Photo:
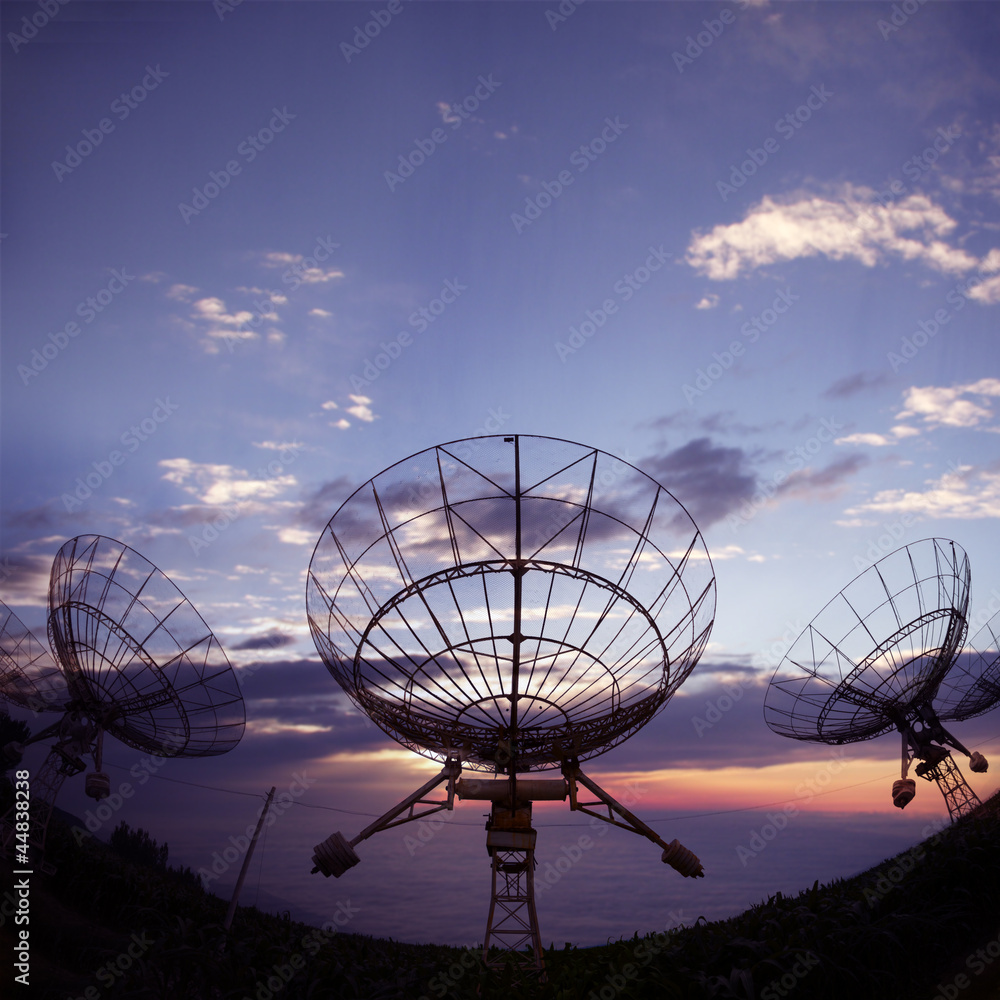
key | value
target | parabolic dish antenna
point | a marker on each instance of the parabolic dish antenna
(886, 653)
(132, 657)
(510, 605)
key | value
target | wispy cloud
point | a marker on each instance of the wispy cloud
(849, 226)
(222, 484)
(822, 484)
(361, 408)
(941, 406)
(968, 493)
(220, 324)
(710, 480)
(851, 385)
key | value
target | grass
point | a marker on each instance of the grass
(909, 928)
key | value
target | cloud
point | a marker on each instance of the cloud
(221, 324)
(940, 406)
(825, 483)
(851, 385)
(320, 505)
(447, 115)
(221, 484)
(708, 479)
(968, 493)
(271, 640)
(330, 405)
(181, 293)
(322, 313)
(709, 301)
(849, 226)
(361, 408)
(279, 445)
(307, 274)
(875, 440)
(294, 536)
(879, 440)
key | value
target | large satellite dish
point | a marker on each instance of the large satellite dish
(510, 605)
(130, 657)
(887, 653)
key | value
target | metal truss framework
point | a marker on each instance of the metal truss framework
(516, 601)
(129, 655)
(890, 652)
(958, 796)
(512, 933)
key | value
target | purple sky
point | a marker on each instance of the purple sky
(751, 248)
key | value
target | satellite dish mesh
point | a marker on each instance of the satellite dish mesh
(878, 650)
(29, 677)
(499, 598)
(136, 656)
(972, 686)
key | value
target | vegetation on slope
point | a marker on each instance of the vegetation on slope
(925, 924)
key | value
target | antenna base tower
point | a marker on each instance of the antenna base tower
(45, 785)
(958, 796)
(512, 925)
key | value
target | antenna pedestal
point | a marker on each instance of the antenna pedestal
(45, 785)
(958, 796)
(512, 926)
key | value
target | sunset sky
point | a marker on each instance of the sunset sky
(255, 253)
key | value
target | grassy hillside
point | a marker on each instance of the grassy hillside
(922, 925)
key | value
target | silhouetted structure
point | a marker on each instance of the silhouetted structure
(510, 605)
(132, 658)
(887, 652)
